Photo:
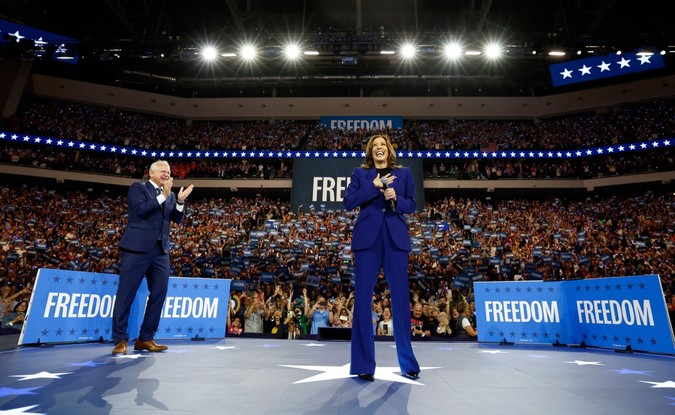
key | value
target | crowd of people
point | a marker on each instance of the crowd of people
(627, 124)
(456, 239)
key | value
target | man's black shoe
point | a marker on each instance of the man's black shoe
(412, 375)
(367, 376)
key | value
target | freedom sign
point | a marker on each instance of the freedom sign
(606, 312)
(74, 306)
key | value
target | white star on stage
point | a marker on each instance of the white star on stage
(491, 351)
(566, 73)
(632, 372)
(41, 375)
(392, 374)
(87, 364)
(666, 384)
(314, 345)
(131, 356)
(21, 410)
(226, 347)
(584, 363)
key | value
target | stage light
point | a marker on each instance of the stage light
(248, 52)
(408, 51)
(209, 53)
(452, 51)
(311, 53)
(292, 52)
(493, 50)
(557, 52)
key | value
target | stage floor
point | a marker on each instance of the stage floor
(269, 376)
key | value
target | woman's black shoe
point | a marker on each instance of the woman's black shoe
(368, 377)
(412, 375)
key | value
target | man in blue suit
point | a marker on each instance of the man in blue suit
(384, 192)
(144, 251)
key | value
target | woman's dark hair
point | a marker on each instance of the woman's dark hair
(16, 306)
(369, 162)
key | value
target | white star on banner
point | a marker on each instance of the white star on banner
(566, 73)
(644, 59)
(585, 70)
(392, 374)
(21, 410)
(41, 375)
(604, 66)
(666, 384)
(624, 62)
(584, 363)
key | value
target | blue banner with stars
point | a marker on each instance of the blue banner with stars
(611, 313)
(600, 67)
(74, 306)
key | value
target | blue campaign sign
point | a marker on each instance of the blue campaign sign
(74, 306)
(358, 122)
(600, 67)
(611, 312)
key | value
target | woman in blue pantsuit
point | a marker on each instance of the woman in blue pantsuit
(384, 192)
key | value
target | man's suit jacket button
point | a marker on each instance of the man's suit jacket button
(384, 210)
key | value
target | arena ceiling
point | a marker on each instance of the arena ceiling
(154, 45)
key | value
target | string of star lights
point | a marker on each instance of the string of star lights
(61, 143)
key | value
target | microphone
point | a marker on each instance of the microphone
(390, 202)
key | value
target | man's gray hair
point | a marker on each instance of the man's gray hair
(155, 165)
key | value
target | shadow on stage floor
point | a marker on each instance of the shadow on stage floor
(271, 376)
